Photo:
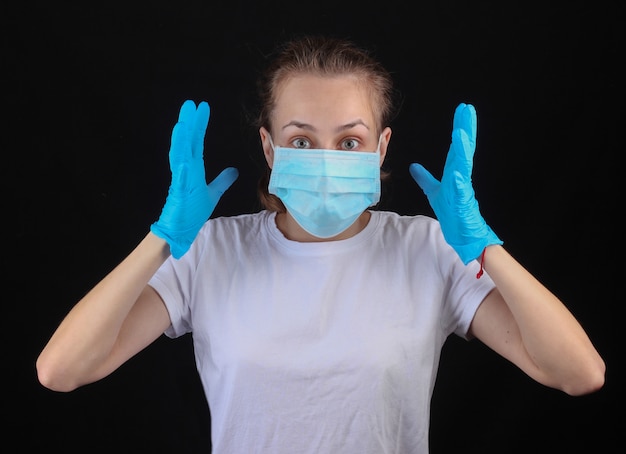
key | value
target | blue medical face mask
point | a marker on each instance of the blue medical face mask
(325, 191)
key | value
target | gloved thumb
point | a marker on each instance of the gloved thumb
(423, 178)
(223, 181)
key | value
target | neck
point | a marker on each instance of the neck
(292, 230)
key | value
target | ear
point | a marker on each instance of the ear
(384, 143)
(268, 151)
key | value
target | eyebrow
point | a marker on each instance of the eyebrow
(301, 125)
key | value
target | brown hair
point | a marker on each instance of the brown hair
(321, 56)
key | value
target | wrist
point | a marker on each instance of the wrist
(158, 244)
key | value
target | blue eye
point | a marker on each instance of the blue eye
(350, 144)
(300, 143)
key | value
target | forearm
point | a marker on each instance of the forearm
(553, 339)
(87, 335)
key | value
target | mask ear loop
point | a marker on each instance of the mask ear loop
(269, 136)
(380, 140)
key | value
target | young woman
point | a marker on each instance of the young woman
(318, 322)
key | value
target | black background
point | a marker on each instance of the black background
(91, 92)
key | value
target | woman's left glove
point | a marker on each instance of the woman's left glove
(453, 199)
(190, 201)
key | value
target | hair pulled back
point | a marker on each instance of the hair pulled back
(323, 56)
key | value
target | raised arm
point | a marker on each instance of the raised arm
(521, 319)
(122, 314)
(527, 324)
(110, 324)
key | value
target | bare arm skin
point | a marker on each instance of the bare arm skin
(119, 317)
(525, 323)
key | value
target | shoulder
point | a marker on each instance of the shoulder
(391, 223)
(229, 233)
(237, 224)
(418, 235)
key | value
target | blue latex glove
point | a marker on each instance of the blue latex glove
(190, 201)
(453, 199)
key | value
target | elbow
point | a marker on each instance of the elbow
(589, 382)
(52, 378)
(587, 387)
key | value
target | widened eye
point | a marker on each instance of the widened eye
(350, 144)
(301, 142)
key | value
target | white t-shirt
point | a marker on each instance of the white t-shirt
(328, 347)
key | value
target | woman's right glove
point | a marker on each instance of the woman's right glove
(190, 201)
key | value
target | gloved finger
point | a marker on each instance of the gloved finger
(461, 154)
(223, 181)
(423, 178)
(200, 123)
(180, 146)
(187, 112)
(463, 191)
(465, 118)
(181, 177)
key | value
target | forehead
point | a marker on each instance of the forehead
(323, 99)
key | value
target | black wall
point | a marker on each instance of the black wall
(92, 91)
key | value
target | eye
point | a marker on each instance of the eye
(301, 142)
(350, 144)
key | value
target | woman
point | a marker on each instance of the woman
(318, 322)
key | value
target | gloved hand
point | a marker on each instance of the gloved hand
(190, 201)
(453, 199)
